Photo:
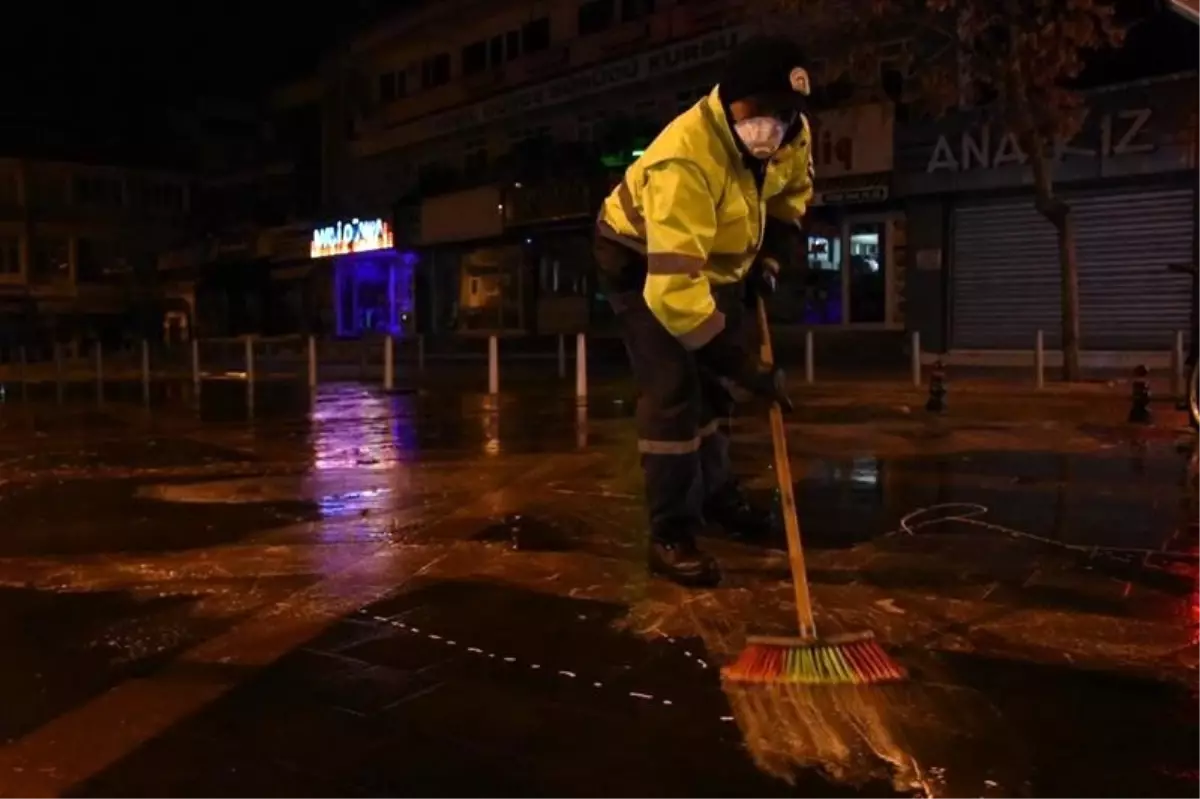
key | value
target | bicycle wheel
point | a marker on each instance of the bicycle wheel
(1194, 396)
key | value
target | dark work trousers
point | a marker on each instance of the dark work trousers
(681, 411)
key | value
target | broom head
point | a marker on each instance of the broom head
(854, 659)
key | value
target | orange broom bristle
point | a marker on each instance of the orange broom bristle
(857, 661)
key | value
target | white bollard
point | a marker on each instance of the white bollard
(196, 367)
(581, 387)
(389, 363)
(312, 362)
(421, 353)
(99, 373)
(916, 358)
(1039, 359)
(809, 358)
(1178, 361)
(145, 372)
(493, 365)
(562, 356)
(248, 345)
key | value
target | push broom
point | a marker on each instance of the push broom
(853, 658)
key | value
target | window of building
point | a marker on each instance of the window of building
(474, 58)
(435, 70)
(475, 157)
(156, 195)
(636, 9)
(8, 190)
(387, 87)
(48, 189)
(49, 260)
(496, 50)
(535, 36)
(98, 191)
(10, 255)
(95, 259)
(512, 45)
(595, 16)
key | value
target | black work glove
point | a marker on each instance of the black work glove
(725, 357)
(763, 278)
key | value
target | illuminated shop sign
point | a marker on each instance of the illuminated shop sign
(355, 235)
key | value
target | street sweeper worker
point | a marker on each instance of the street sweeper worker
(697, 230)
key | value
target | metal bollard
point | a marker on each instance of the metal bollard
(145, 372)
(389, 363)
(937, 388)
(1039, 360)
(916, 358)
(562, 356)
(1178, 362)
(58, 374)
(196, 377)
(22, 362)
(581, 386)
(1139, 410)
(493, 365)
(809, 358)
(99, 372)
(248, 350)
(312, 362)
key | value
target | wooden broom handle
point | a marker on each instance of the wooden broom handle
(787, 496)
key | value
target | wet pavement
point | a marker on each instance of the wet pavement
(440, 593)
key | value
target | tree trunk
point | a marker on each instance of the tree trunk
(1058, 214)
(1069, 275)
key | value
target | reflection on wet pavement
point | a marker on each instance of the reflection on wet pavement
(360, 593)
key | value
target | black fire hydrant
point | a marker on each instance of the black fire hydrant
(937, 388)
(1139, 411)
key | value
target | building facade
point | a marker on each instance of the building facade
(78, 252)
(983, 264)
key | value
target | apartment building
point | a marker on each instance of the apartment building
(78, 251)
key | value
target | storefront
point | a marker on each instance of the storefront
(372, 281)
(855, 230)
(984, 269)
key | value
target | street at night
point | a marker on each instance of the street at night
(389, 594)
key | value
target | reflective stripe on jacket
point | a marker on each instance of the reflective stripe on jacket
(693, 206)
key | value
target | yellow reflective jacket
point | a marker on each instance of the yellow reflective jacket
(693, 206)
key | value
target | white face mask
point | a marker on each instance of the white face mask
(761, 135)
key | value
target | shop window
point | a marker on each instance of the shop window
(49, 260)
(98, 191)
(595, 16)
(435, 70)
(868, 272)
(474, 58)
(636, 9)
(535, 36)
(10, 255)
(374, 293)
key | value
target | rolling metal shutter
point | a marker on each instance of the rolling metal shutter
(1005, 278)
(1125, 241)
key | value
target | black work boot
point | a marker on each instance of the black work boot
(675, 556)
(729, 508)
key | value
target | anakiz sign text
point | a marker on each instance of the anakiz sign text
(1110, 135)
(355, 235)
